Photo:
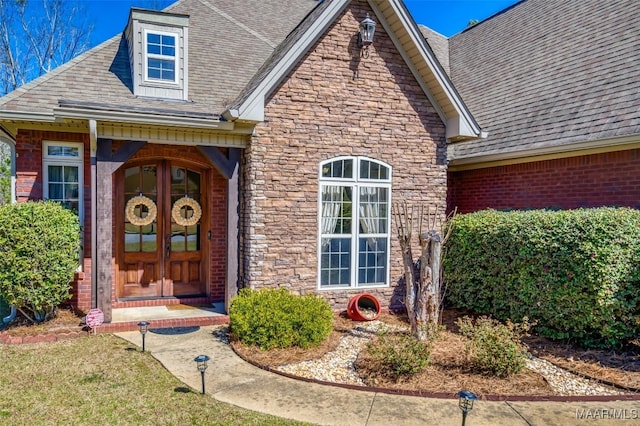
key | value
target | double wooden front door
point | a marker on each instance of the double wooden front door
(166, 257)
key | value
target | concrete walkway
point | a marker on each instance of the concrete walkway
(230, 379)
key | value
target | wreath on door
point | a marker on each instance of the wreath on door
(134, 215)
(181, 216)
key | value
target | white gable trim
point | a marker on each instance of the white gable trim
(252, 109)
(460, 126)
(463, 125)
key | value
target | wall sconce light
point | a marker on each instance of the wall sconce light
(144, 327)
(201, 361)
(365, 34)
(465, 402)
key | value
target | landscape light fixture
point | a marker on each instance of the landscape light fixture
(465, 402)
(201, 361)
(144, 327)
(365, 35)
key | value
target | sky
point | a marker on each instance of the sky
(448, 17)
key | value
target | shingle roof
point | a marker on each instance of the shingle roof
(550, 72)
(439, 45)
(226, 46)
(279, 52)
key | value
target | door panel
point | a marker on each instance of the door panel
(185, 262)
(140, 266)
(162, 258)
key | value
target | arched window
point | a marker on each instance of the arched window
(354, 210)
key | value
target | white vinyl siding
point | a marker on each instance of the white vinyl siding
(158, 45)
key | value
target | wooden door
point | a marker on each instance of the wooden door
(161, 254)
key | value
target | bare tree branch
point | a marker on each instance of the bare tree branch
(37, 36)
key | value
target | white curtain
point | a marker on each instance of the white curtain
(370, 211)
(331, 205)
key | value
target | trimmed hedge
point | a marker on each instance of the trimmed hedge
(274, 318)
(575, 273)
(40, 243)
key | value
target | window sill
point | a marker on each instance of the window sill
(342, 288)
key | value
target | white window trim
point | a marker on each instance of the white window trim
(146, 56)
(53, 160)
(355, 182)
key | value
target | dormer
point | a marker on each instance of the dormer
(158, 51)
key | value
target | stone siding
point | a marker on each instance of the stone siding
(335, 103)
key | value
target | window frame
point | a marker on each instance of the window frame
(355, 183)
(146, 56)
(54, 160)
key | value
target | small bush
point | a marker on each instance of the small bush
(494, 347)
(399, 354)
(40, 243)
(274, 318)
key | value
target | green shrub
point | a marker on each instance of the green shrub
(399, 354)
(494, 347)
(39, 242)
(274, 318)
(575, 273)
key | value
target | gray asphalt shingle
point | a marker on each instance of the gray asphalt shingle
(550, 72)
(228, 41)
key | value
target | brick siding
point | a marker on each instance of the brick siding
(323, 111)
(607, 179)
(29, 187)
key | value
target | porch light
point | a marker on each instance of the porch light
(144, 327)
(465, 402)
(201, 361)
(365, 34)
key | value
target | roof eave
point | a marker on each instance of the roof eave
(252, 108)
(141, 118)
(461, 125)
(558, 150)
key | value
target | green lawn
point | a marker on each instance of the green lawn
(103, 380)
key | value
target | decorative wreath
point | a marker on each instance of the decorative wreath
(176, 211)
(138, 220)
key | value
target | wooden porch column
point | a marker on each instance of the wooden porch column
(233, 228)
(229, 167)
(107, 163)
(104, 233)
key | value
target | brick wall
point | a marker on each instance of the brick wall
(321, 111)
(29, 187)
(608, 179)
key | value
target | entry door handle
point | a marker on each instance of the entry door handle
(168, 246)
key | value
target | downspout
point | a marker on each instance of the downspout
(9, 140)
(93, 143)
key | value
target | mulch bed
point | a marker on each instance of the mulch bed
(449, 371)
(619, 368)
(66, 324)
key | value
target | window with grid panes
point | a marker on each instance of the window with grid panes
(354, 222)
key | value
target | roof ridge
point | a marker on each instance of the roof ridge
(238, 23)
(19, 91)
(432, 30)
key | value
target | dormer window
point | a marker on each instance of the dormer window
(161, 57)
(158, 53)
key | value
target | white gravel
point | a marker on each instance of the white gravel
(338, 366)
(566, 383)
